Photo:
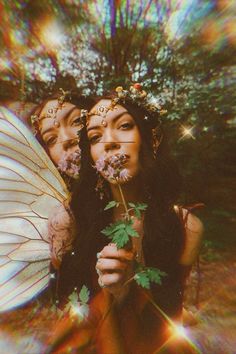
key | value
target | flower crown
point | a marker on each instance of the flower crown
(153, 106)
(137, 95)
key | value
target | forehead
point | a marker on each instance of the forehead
(53, 105)
(101, 110)
(67, 111)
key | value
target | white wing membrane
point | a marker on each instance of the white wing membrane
(30, 188)
(24, 285)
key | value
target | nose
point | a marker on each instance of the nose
(109, 146)
(68, 141)
(110, 141)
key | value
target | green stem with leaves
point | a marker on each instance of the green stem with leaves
(124, 202)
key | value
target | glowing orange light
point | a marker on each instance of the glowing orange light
(51, 34)
(179, 331)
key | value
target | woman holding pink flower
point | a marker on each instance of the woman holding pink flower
(127, 193)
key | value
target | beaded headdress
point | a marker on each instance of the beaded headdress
(136, 95)
(51, 112)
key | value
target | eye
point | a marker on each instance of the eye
(126, 125)
(94, 139)
(51, 140)
(76, 121)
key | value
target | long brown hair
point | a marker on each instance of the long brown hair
(163, 241)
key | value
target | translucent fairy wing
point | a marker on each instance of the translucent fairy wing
(30, 188)
(19, 144)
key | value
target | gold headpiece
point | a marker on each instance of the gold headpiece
(51, 112)
(137, 95)
(153, 106)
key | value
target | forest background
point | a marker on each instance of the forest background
(181, 51)
(184, 52)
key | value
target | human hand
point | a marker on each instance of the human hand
(115, 267)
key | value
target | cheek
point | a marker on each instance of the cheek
(96, 152)
(137, 145)
(93, 154)
(55, 154)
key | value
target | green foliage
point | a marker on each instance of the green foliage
(76, 301)
(138, 207)
(120, 232)
(73, 301)
(84, 295)
(111, 204)
(145, 275)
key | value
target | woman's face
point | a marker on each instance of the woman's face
(114, 133)
(59, 134)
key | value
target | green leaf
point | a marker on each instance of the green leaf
(142, 280)
(121, 238)
(138, 208)
(120, 232)
(73, 298)
(111, 204)
(137, 213)
(141, 206)
(145, 275)
(131, 231)
(155, 275)
(84, 294)
(112, 228)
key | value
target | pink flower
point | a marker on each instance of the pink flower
(70, 164)
(112, 167)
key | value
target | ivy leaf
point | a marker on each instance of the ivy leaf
(111, 204)
(84, 294)
(142, 279)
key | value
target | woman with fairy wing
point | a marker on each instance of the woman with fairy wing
(124, 131)
(57, 122)
(31, 188)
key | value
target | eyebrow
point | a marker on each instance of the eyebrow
(113, 121)
(65, 117)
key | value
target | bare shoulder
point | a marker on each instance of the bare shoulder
(193, 223)
(193, 238)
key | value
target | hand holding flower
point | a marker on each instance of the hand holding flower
(115, 267)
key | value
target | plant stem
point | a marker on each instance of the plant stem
(124, 202)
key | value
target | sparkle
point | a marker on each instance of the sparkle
(187, 132)
(179, 331)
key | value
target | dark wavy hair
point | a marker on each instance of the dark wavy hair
(163, 232)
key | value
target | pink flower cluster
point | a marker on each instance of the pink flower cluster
(70, 164)
(112, 167)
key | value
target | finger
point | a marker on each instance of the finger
(106, 264)
(111, 279)
(113, 252)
